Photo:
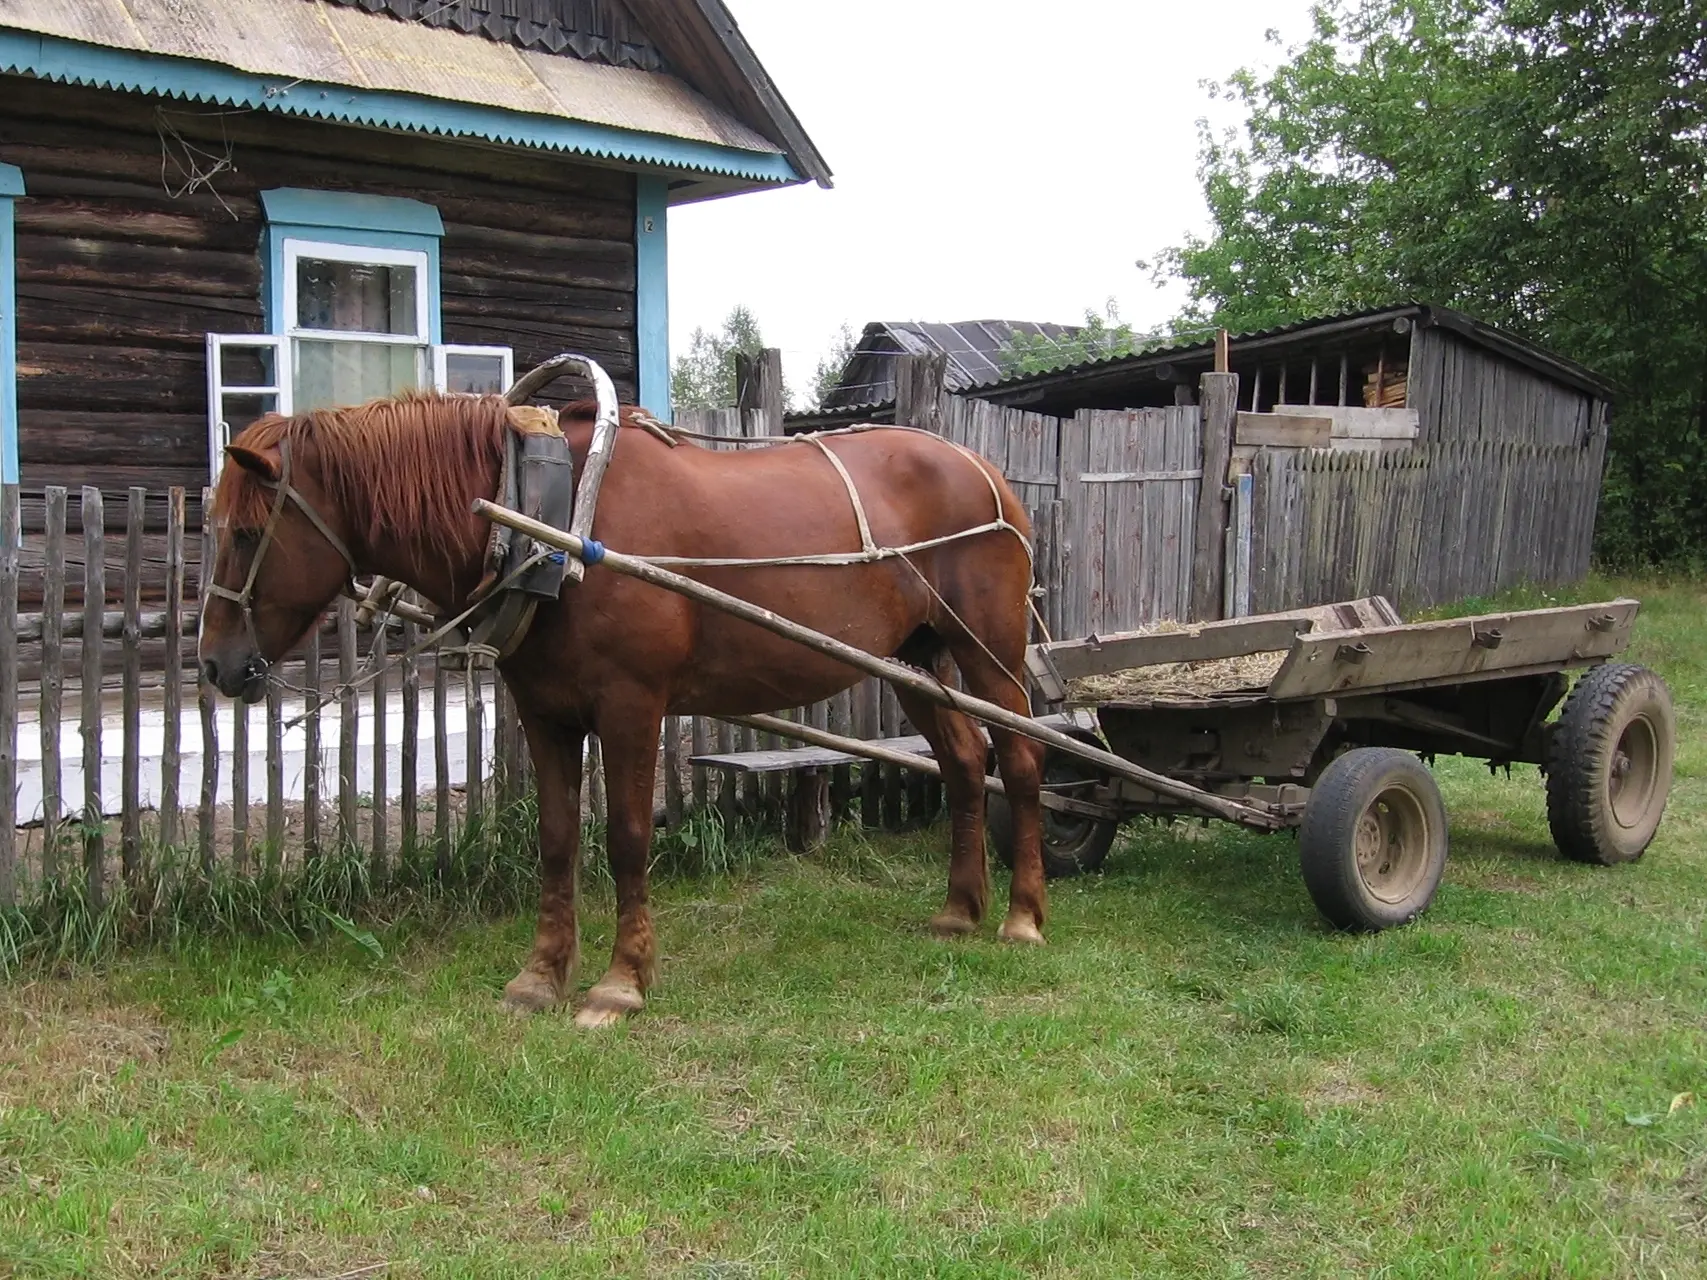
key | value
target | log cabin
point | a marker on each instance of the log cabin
(214, 208)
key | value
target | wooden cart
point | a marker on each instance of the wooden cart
(1332, 734)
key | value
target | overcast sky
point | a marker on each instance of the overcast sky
(993, 160)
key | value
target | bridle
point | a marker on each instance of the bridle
(244, 599)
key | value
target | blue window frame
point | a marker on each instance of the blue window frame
(11, 187)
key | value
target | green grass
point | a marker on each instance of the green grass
(1195, 1078)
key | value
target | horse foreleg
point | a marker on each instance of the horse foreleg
(959, 750)
(628, 738)
(545, 980)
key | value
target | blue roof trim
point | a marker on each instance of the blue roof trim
(72, 62)
(11, 180)
(347, 211)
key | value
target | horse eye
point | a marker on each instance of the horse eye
(245, 539)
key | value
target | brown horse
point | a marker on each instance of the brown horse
(386, 488)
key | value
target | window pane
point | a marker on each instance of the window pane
(476, 375)
(246, 366)
(356, 297)
(332, 373)
(238, 411)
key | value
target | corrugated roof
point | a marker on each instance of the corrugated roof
(973, 349)
(317, 44)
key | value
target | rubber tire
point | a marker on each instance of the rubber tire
(1062, 857)
(1602, 708)
(1328, 840)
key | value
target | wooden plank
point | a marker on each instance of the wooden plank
(1218, 397)
(130, 787)
(209, 798)
(441, 768)
(378, 826)
(171, 750)
(1438, 652)
(311, 763)
(273, 850)
(1284, 430)
(52, 681)
(474, 781)
(787, 759)
(349, 836)
(699, 744)
(673, 771)
(728, 804)
(1202, 642)
(11, 537)
(94, 603)
(867, 724)
(239, 786)
(408, 837)
(1142, 477)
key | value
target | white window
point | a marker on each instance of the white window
(357, 319)
(475, 371)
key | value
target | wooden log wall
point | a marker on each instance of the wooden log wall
(124, 264)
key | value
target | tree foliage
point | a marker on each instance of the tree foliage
(704, 375)
(1537, 163)
(828, 373)
(1103, 336)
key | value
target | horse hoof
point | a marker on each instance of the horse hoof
(530, 992)
(1020, 929)
(608, 1005)
(947, 924)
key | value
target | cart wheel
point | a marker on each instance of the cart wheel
(1071, 844)
(1373, 843)
(1609, 764)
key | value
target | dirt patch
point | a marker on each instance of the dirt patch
(1340, 1087)
(45, 1041)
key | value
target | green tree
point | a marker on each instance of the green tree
(832, 364)
(704, 376)
(1538, 163)
(1103, 335)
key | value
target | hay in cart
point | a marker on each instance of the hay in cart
(1245, 673)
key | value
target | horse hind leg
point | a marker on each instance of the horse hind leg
(1020, 762)
(628, 738)
(960, 751)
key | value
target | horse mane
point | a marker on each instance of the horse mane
(415, 462)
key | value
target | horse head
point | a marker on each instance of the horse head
(282, 556)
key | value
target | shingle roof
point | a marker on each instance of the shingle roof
(972, 348)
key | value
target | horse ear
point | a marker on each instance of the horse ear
(265, 463)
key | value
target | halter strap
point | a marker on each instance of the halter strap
(283, 491)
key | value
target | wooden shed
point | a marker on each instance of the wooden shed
(1467, 381)
(214, 208)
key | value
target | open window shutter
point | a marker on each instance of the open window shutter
(248, 374)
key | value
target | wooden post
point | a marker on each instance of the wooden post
(410, 802)
(919, 382)
(673, 771)
(840, 720)
(701, 780)
(758, 385)
(52, 681)
(11, 533)
(239, 786)
(348, 837)
(205, 704)
(474, 711)
(1345, 375)
(94, 607)
(890, 724)
(808, 822)
(171, 751)
(275, 775)
(868, 725)
(441, 768)
(311, 749)
(377, 826)
(130, 819)
(1223, 354)
(728, 801)
(1219, 398)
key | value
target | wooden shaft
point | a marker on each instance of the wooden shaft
(884, 669)
(906, 759)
